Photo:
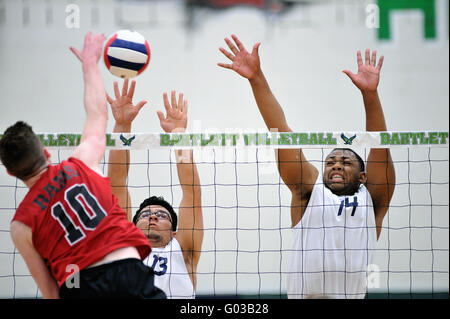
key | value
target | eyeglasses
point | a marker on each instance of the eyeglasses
(162, 215)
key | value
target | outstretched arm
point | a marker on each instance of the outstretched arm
(124, 112)
(380, 168)
(297, 173)
(190, 217)
(248, 66)
(93, 141)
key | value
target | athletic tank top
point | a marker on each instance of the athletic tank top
(332, 245)
(171, 274)
(75, 219)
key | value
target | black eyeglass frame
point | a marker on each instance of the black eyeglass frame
(169, 218)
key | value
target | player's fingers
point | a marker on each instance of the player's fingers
(226, 66)
(374, 58)
(238, 42)
(380, 62)
(140, 105)
(359, 58)
(231, 46)
(116, 90)
(87, 37)
(255, 50)
(166, 102)
(349, 74)
(160, 116)
(101, 37)
(173, 98)
(77, 53)
(185, 106)
(125, 87)
(180, 101)
(131, 90)
(109, 99)
(227, 54)
(367, 56)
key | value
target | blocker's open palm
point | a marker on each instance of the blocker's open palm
(123, 109)
(368, 75)
(176, 113)
(244, 63)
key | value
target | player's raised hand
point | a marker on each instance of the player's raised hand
(176, 113)
(92, 49)
(368, 75)
(244, 63)
(123, 109)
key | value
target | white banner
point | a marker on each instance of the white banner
(272, 140)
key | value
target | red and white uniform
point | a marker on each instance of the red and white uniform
(75, 219)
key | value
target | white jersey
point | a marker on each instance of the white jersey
(333, 245)
(171, 275)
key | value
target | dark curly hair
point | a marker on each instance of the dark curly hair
(155, 200)
(362, 166)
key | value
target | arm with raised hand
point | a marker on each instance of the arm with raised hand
(89, 151)
(124, 112)
(190, 216)
(93, 141)
(380, 168)
(248, 65)
(297, 173)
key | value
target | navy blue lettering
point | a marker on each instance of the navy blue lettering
(51, 190)
(347, 203)
(61, 179)
(70, 171)
(41, 201)
(162, 263)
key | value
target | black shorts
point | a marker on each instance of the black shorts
(126, 278)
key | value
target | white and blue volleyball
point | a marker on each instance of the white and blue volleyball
(126, 53)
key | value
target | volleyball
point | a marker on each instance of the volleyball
(126, 53)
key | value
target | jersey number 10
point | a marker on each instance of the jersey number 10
(89, 221)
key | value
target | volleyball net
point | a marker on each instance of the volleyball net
(246, 207)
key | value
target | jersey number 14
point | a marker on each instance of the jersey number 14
(347, 203)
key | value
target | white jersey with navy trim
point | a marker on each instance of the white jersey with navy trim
(332, 245)
(171, 274)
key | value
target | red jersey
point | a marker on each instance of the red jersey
(75, 219)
